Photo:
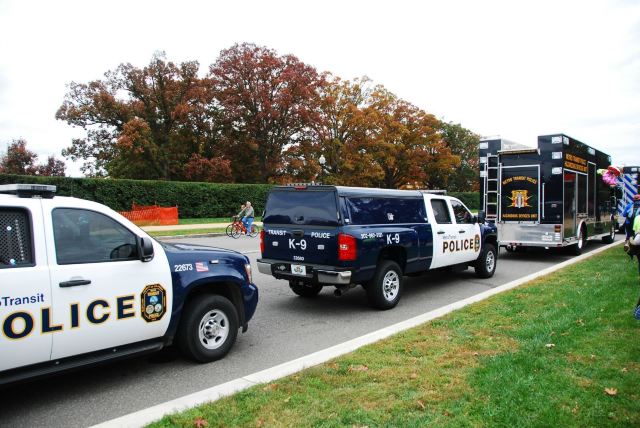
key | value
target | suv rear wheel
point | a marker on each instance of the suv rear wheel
(208, 329)
(385, 288)
(305, 290)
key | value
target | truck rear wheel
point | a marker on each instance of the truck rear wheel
(582, 240)
(385, 288)
(305, 290)
(208, 329)
(611, 236)
(485, 266)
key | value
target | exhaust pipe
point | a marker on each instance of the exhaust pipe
(342, 289)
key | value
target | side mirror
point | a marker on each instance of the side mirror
(145, 249)
(481, 217)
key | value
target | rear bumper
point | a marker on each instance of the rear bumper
(317, 274)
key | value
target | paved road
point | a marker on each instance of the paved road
(284, 327)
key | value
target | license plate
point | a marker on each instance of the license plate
(298, 270)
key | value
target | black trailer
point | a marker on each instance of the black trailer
(551, 196)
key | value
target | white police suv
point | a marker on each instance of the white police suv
(80, 284)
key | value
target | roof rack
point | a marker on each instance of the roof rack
(44, 191)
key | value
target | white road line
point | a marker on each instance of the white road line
(154, 413)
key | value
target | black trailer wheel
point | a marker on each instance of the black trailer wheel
(305, 290)
(208, 329)
(611, 236)
(582, 241)
(385, 289)
(485, 266)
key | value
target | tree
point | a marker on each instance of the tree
(18, 159)
(463, 143)
(267, 104)
(142, 123)
(53, 167)
(342, 132)
(215, 170)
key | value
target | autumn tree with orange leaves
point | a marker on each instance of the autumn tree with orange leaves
(267, 103)
(152, 123)
(18, 159)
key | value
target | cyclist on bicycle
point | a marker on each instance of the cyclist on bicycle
(247, 218)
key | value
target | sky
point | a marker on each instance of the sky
(517, 69)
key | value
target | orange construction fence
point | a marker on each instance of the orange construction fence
(152, 215)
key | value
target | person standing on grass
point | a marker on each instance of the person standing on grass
(630, 212)
(247, 219)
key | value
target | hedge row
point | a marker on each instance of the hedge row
(194, 200)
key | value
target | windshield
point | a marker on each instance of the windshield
(313, 208)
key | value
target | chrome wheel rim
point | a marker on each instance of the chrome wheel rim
(490, 262)
(213, 329)
(390, 285)
(580, 241)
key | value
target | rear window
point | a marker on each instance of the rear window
(385, 210)
(313, 208)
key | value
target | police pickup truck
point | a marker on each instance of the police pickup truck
(343, 236)
(80, 284)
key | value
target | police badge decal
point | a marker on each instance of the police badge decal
(153, 301)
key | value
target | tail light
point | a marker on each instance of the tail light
(262, 241)
(557, 228)
(346, 248)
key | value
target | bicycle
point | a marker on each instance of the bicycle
(236, 228)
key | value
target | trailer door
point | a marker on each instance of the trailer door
(570, 204)
(519, 193)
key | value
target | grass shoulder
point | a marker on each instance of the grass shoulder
(562, 350)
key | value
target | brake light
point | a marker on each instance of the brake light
(346, 248)
(262, 241)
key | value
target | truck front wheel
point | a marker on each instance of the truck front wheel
(486, 264)
(208, 329)
(385, 288)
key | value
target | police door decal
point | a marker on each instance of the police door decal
(153, 300)
(519, 194)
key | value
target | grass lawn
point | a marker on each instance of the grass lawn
(225, 220)
(563, 350)
(187, 231)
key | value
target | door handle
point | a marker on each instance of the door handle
(75, 283)
(441, 232)
(461, 231)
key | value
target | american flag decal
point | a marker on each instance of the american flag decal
(202, 267)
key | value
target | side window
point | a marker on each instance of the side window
(462, 215)
(83, 236)
(441, 211)
(375, 210)
(16, 247)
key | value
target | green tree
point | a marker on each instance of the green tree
(463, 143)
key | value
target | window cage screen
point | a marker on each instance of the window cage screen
(15, 238)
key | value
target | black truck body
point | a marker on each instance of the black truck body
(549, 196)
